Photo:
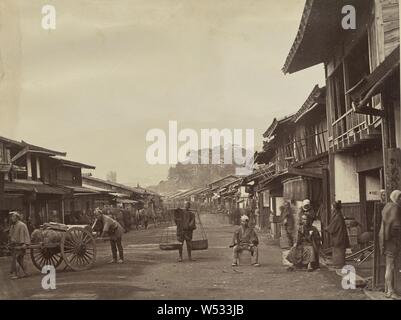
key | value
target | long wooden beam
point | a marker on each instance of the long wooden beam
(313, 173)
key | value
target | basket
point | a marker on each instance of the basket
(200, 244)
(170, 246)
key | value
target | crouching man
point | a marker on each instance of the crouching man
(115, 232)
(245, 238)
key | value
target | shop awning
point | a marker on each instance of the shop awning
(87, 186)
(119, 195)
(126, 201)
(78, 190)
(74, 164)
(34, 187)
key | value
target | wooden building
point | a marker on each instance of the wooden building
(295, 161)
(122, 194)
(42, 184)
(362, 79)
(26, 187)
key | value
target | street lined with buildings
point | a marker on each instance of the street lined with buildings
(321, 189)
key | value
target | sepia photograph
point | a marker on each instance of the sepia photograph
(213, 151)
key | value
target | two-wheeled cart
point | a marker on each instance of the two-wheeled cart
(76, 247)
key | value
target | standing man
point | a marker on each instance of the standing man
(288, 222)
(145, 215)
(388, 237)
(19, 240)
(138, 218)
(339, 235)
(185, 221)
(245, 238)
(115, 232)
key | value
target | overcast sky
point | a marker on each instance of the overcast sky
(113, 69)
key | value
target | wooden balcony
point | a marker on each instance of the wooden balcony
(302, 150)
(353, 130)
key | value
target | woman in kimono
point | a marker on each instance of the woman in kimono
(305, 251)
(339, 236)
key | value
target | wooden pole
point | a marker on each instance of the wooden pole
(62, 211)
(1, 189)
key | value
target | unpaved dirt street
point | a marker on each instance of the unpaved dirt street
(150, 273)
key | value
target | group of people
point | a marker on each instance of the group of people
(305, 239)
(109, 226)
(244, 238)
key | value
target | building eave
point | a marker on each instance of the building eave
(313, 39)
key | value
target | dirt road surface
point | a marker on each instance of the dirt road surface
(150, 273)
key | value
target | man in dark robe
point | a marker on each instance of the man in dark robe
(388, 238)
(339, 235)
(186, 224)
(288, 222)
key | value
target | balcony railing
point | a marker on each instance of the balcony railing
(351, 127)
(301, 150)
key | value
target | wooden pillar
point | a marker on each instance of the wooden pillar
(33, 219)
(62, 211)
(38, 173)
(362, 201)
(1, 189)
(388, 139)
(29, 166)
(326, 207)
(47, 211)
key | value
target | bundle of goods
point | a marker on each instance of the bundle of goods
(55, 226)
(46, 236)
(37, 236)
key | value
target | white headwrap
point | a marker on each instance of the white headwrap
(395, 195)
(16, 214)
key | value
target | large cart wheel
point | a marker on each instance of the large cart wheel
(78, 249)
(44, 256)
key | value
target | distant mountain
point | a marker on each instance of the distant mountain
(188, 175)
